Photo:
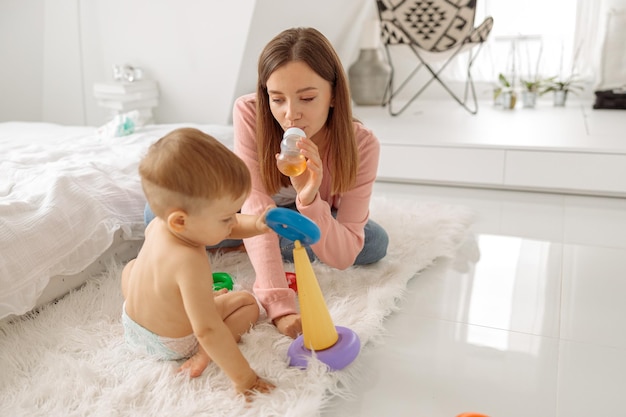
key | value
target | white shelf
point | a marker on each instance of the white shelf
(122, 97)
(573, 150)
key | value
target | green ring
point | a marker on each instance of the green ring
(222, 280)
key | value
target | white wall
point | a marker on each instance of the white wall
(21, 59)
(41, 73)
(63, 99)
(202, 53)
(342, 22)
(192, 48)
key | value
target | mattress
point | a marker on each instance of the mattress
(67, 196)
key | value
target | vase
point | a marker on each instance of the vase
(509, 99)
(529, 99)
(560, 97)
(369, 78)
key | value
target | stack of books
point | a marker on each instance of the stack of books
(122, 97)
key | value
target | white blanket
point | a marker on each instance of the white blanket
(64, 193)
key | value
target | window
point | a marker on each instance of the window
(529, 39)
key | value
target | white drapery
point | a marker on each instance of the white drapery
(601, 32)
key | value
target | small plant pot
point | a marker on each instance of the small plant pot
(497, 97)
(529, 99)
(509, 99)
(560, 98)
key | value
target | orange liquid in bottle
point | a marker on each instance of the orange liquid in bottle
(292, 165)
(290, 161)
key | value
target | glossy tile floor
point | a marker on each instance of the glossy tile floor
(528, 320)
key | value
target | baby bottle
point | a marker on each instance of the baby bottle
(290, 161)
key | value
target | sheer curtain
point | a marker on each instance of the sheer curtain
(603, 42)
(590, 18)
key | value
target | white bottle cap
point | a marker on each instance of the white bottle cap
(295, 131)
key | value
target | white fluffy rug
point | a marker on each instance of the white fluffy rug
(70, 358)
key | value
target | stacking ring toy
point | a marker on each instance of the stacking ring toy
(291, 281)
(222, 280)
(472, 415)
(292, 225)
(333, 345)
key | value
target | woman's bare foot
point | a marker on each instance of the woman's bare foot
(196, 364)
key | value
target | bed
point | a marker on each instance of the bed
(70, 203)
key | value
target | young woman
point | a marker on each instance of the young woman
(301, 83)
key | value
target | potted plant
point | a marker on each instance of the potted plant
(530, 91)
(505, 93)
(533, 84)
(562, 86)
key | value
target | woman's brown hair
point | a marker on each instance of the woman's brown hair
(307, 45)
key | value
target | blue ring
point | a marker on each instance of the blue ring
(292, 225)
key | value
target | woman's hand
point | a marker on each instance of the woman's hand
(308, 183)
(289, 325)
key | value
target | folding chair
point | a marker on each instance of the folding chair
(437, 31)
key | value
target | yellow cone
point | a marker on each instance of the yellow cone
(318, 329)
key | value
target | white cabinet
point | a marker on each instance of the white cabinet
(594, 173)
(569, 172)
(574, 150)
(441, 164)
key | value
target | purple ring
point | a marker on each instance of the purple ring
(337, 357)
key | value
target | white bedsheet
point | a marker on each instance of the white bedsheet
(64, 192)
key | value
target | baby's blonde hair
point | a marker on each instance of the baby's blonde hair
(186, 168)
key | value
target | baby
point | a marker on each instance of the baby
(195, 186)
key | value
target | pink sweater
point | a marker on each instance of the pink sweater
(341, 238)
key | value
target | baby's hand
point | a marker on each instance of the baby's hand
(261, 224)
(219, 292)
(259, 386)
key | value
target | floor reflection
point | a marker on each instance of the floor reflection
(509, 288)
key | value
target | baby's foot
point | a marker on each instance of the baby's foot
(196, 364)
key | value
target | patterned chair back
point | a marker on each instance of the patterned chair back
(432, 25)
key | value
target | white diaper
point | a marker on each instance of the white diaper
(165, 348)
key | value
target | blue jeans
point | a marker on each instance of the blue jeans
(374, 249)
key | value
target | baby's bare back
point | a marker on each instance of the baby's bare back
(152, 295)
